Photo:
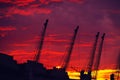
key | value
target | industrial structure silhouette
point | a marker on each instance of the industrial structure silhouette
(34, 70)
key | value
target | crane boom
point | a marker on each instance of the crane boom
(90, 64)
(37, 57)
(67, 59)
(99, 54)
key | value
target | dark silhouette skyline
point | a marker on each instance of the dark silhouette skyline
(31, 70)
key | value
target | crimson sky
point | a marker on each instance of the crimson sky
(21, 23)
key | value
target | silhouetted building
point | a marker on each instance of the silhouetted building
(31, 70)
(8, 68)
(84, 76)
(7, 61)
(89, 77)
(112, 77)
(58, 74)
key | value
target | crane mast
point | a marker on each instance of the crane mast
(67, 59)
(99, 55)
(37, 57)
(90, 64)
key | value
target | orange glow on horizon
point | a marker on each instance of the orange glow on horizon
(102, 74)
(58, 67)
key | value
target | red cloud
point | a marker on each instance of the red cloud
(9, 28)
(28, 11)
(21, 55)
(52, 52)
(84, 45)
(5, 1)
(49, 1)
(20, 52)
(23, 2)
(27, 3)
(43, 11)
(29, 7)
(21, 45)
(50, 39)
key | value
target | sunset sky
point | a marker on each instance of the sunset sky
(21, 24)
